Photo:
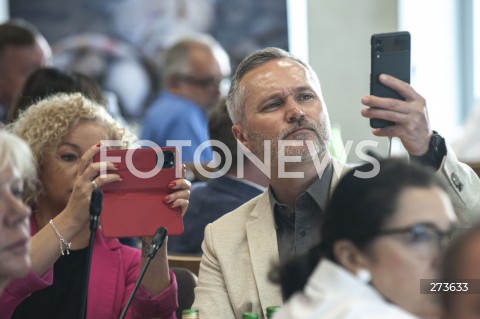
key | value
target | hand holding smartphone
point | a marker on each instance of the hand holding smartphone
(390, 54)
(134, 207)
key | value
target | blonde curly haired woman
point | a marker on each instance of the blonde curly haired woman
(64, 132)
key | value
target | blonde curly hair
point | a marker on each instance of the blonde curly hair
(44, 124)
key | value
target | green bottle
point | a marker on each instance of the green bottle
(190, 314)
(250, 315)
(271, 310)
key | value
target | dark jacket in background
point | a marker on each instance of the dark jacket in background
(209, 201)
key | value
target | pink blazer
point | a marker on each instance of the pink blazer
(115, 268)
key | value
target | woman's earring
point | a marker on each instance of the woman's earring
(364, 275)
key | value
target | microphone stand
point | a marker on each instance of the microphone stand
(157, 242)
(95, 209)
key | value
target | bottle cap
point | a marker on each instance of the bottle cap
(271, 310)
(190, 314)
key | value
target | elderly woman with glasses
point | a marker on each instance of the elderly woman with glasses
(382, 234)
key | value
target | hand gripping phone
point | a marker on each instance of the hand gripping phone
(390, 54)
(134, 207)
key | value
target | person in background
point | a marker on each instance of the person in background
(65, 132)
(47, 81)
(279, 114)
(191, 76)
(460, 272)
(22, 50)
(220, 194)
(16, 170)
(381, 235)
(127, 77)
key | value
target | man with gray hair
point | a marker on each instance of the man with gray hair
(279, 114)
(192, 70)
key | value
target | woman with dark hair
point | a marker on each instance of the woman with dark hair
(49, 81)
(461, 269)
(381, 235)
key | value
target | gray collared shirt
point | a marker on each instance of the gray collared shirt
(298, 228)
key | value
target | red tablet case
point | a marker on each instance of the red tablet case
(134, 207)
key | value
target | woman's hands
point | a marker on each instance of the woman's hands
(157, 277)
(68, 204)
(180, 195)
(88, 171)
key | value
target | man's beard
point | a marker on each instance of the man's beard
(318, 145)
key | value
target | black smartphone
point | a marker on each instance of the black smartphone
(390, 54)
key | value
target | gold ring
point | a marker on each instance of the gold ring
(95, 186)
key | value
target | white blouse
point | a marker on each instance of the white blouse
(332, 292)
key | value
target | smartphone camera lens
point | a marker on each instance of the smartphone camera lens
(169, 159)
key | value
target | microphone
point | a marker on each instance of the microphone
(157, 242)
(96, 201)
(95, 208)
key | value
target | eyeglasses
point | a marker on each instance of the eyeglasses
(425, 238)
(206, 83)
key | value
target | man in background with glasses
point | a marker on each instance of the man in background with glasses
(192, 70)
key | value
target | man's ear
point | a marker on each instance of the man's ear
(349, 256)
(240, 134)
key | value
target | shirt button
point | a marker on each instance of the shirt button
(302, 232)
(456, 181)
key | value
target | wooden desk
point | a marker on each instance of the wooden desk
(192, 263)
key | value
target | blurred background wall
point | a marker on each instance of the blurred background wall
(333, 36)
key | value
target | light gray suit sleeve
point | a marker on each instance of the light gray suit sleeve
(463, 187)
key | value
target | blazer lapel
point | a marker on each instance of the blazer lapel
(104, 275)
(262, 243)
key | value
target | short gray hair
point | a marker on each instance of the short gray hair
(236, 94)
(17, 154)
(176, 58)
